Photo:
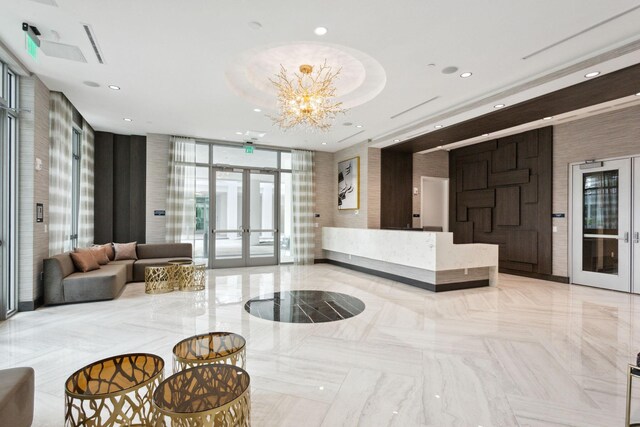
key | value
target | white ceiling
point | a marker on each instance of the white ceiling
(170, 58)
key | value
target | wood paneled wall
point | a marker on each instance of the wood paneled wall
(396, 178)
(500, 193)
(120, 183)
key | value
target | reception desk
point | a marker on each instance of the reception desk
(426, 259)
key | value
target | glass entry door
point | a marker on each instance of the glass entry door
(602, 225)
(636, 226)
(243, 227)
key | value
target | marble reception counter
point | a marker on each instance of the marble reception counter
(428, 260)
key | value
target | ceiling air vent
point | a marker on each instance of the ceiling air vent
(47, 2)
(350, 136)
(63, 51)
(414, 107)
(94, 44)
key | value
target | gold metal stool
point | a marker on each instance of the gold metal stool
(115, 391)
(210, 348)
(157, 280)
(209, 395)
(192, 277)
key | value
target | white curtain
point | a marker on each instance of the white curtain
(302, 195)
(181, 203)
(85, 217)
(60, 169)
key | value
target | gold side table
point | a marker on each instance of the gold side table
(192, 277)
(633, 372)
(115, 391)
(210, 348)
(204, 396)
(177, 272)
(157, 280)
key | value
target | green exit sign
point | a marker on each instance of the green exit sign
(248, 149)
(32, 47)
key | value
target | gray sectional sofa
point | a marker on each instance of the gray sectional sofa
(63, 284)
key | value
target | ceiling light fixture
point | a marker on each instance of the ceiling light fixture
(466, 74)
(499, 106)
(114, 87)
(320, 31)
(257, 110)
(638, 94)
(238, 133)
(485, 134)
(307, 98)
(547, 118)
(396, 140)
(324, 143)
(437, 126)
(126, 119)
(592, 74)
(358, 126)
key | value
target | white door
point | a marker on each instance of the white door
(602, 225)
(635, 249)
(434, 209)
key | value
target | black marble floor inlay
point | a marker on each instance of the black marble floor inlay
(304, 306)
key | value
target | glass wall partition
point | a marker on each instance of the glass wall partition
(8, 187)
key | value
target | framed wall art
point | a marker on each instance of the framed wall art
(349, 184)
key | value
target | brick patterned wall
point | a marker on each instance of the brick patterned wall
(607, 135)
(434, 164)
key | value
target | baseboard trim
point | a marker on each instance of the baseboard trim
(541, 276)
(321, 261)
(408, 281)
(31, 305)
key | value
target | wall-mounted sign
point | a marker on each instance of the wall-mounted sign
(159, 212)
(557, 215)
(39, 212)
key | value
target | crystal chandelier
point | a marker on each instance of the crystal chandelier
(307, 98)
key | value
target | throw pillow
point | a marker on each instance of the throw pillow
(108, 247)
(98, 253)
(125, 251)
(84, 261)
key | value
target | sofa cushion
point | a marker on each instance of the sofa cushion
(141, 264)
(98, 252)
(108, 248)
(125, 251)
(16, 397)
(105, 283)
(84, 261)
(164, 250)
(128, 263)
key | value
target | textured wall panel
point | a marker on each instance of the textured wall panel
(157, 172)
(324, 183)
(515, 211)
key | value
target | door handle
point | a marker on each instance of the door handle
(636, 237)
(625, 237)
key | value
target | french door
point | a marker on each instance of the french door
(244, 224)
(606, 224)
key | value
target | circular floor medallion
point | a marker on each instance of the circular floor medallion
(304, 306)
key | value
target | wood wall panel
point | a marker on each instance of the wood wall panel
(395, 182)
(103, 188)
(514, 211)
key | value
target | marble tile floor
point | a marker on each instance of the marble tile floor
(524, 353)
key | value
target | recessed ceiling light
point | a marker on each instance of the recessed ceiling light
(638, 94)
(592, 74)
(358, 126)
(254, 25)
(126, 119)
(485, 134)
(440, 146)
(437, 126)
(238, 133)
(466, 74)
(499, 106)
(114, 87)
(257, 110)
(320, 31)
(547, 118)
(91, 84)
(324, 143)
(396, 140)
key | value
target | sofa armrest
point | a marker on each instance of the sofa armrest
(55, 270)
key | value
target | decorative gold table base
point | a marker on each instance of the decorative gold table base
(113, 392)
(192, 277)
(157, 280)
(210, 348)
(204, 396)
